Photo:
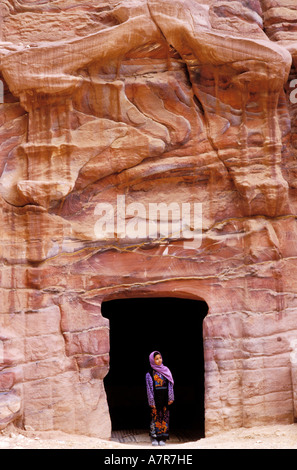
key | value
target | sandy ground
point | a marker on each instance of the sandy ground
(262, 437)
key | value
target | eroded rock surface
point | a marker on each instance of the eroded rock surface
(184, 101)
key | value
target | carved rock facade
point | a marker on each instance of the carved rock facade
(158, 101)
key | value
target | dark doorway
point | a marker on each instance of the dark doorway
(139, 326)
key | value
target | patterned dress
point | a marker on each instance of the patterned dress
(159, 393)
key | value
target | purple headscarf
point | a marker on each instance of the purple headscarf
(162, 369)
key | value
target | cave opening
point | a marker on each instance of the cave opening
(138, 326)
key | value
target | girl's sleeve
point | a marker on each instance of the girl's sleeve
(170, 392)
(150, 390)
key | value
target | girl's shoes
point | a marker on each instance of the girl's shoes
(158, 443)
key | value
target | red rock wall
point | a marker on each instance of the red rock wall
(178, 101)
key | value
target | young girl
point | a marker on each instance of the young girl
(159, 386)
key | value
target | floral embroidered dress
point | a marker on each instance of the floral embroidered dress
(159, 393)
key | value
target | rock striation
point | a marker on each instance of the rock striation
(157, 101)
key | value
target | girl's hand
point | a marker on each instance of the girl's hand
(170, 402)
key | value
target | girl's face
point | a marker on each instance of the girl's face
(158, 359)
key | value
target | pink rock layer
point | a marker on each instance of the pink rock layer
(180, 101)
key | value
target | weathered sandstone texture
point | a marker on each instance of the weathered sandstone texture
(187, 101)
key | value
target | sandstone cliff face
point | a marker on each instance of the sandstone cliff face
(184, 101)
